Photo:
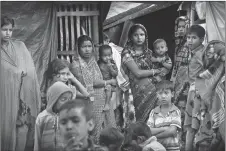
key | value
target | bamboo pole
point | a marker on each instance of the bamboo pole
(77, 23)
(95, 31)
(89, 22)
(61, 33)
(83, 25)
(72, 30)
(67, 32)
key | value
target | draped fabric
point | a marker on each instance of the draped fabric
(143, 90)
(21, 93)
(35, 46)
(215, 20)
(36, 26)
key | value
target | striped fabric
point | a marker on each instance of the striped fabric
(173, 118)
(218, 115)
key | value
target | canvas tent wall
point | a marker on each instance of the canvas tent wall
(51, 28)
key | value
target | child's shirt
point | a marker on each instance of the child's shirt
(108, 72)
(196, 64)
(173, 118)
(152, 144)
(47, 137)
(158, 65)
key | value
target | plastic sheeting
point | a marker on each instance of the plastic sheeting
(36, 26)
(215, 20)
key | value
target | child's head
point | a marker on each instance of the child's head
(137, 34)
(85, 46)
(195, 36)
(76, 120)
(165, 91)
(111, 138)
(58, 94)
(160, 47)
(105, 53)
(137, 133)
(106, 39)
(181, 26)
(182, 104)
(58, 70)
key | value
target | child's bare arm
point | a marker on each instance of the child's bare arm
(113, 69)
(155, 131)
(169, 132)
(83, 91)
(167, 65)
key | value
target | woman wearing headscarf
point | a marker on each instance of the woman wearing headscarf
(180, 69)
(136, 62)
(85, 68)
(21, 94)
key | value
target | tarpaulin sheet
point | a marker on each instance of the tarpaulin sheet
(215, 20)
(36, 26)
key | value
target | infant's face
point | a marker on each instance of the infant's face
(210, 52)
(161, 48)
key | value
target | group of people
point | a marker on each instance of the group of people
(78, 114)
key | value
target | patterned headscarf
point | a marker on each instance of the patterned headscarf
(87, 72)
(129, 43)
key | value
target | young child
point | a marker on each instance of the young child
(165, 120)
(75, 123)
(195, 37)
(112, 138)
(46, 127)
(59, 70)
(139, 135)
(160, 59)
(109, 71)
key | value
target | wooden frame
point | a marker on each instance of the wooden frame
(75, 19)
(136, 12)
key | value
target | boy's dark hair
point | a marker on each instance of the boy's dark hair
(103, 48)
(79, 103)
(199, 30)
(5, 20)
(165, 84)
(110, 136)
(132, 147)
(137, 129)
(158, 41)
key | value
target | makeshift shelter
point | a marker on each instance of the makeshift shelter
(159, 20)
(50, 29)
(157, 17)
